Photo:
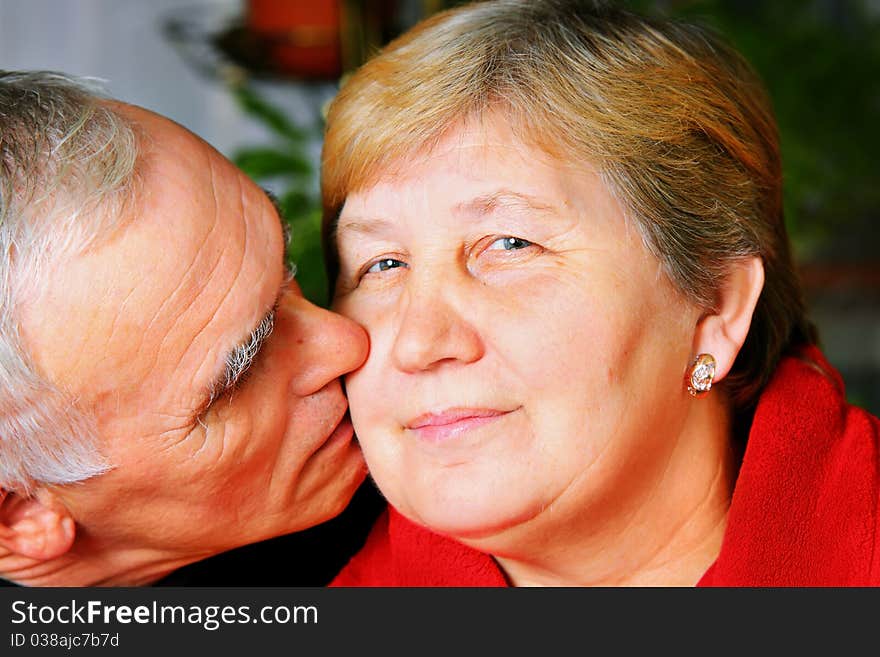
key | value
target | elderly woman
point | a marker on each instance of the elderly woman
(561, 225)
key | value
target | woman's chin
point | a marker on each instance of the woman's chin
(472, 523)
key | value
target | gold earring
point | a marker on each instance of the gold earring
(701, 375)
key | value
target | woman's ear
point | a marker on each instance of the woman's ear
(723, 331)
(38, 527)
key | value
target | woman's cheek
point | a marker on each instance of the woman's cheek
(368, 401)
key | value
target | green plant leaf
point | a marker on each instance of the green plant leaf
(263, 162)
(305, 254)
(273, 118)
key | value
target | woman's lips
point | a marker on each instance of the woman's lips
(436, 427)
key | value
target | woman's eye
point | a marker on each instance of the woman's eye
(509, 244)
(384, 265)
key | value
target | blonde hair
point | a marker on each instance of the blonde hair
(67, 165)
(677, 122)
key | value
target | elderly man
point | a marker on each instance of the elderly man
(167, 392)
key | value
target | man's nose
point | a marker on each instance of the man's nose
(326, 345)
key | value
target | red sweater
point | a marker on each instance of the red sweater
(804, 510)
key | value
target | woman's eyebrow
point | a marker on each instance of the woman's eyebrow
(478, 207)
(502, 199)
(364, 225)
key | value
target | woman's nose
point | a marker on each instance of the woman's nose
(432, 332)
(327, 345)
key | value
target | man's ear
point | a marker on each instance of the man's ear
(723, 331)
(38, 527)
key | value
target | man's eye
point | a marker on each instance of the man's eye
(384, 265)
(509, 244)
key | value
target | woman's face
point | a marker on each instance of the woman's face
(527, 354)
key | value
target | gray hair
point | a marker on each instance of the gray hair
(67, 166)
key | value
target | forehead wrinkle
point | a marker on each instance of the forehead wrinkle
(119, 313)
(197, 294)
(187, 281)
(136, 207)
(187, 278)
(242, 253)
(194, 298)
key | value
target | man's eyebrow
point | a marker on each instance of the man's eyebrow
(241, 357)
(282, 217)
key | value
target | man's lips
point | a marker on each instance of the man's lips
(435, 427)
(342, 433)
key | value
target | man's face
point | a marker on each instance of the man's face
(140, 329)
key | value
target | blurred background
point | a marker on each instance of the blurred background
(252, 78)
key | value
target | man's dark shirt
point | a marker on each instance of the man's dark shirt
(307, 558)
